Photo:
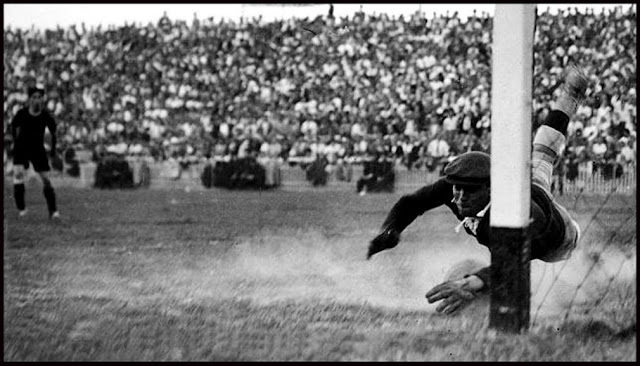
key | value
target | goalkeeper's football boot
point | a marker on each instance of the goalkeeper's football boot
(573, 90)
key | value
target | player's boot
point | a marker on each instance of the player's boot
(55, 216)
(22, 213)
(573, 89)
(575, 83)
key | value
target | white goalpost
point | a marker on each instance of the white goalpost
(511, 114)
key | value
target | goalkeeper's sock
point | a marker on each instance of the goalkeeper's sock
(566, 105)
(550, 137)
(18, 195)
(558, 120)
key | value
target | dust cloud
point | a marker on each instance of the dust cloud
(307, 265)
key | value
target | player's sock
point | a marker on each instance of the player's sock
(550, 137)
(548, 143)
(18, 195)
(50, 196)
(558, 120)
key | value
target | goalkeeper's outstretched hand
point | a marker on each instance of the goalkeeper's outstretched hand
(385, 240)
(453, 295)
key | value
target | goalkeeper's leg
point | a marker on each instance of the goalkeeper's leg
(548, 144)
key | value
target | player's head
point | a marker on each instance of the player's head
(36, 98)
(470, 175)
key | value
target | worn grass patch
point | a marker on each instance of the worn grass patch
(230, 276)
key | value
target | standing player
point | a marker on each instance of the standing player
(28, 128)
(465, 189)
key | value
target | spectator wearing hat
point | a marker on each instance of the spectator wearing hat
(465, 189)
(28, 129)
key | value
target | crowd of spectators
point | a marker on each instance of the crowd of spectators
(414, 88)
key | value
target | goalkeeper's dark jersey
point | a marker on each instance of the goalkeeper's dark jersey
(547, 229)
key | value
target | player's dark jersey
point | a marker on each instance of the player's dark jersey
(28, 131)
(547, 229)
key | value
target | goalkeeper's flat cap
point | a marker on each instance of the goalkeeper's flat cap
(470, 168)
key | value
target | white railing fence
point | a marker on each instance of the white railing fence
(165, 176)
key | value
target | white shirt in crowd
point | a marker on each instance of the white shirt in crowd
(450, 123)
(115, 127)
(135, 149)
(309, 127)
(118, 148)
(410, 128)
(357, 130)
(627, 154)
(590, 131)
(224, 130)
(599, 148)
(438, 148)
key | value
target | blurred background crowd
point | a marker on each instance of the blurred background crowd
(413, 89)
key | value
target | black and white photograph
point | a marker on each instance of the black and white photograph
(309, 182)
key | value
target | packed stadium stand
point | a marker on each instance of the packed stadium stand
(416, 89)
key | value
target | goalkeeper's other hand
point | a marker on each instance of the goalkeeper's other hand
(453, 295)
(385, 240)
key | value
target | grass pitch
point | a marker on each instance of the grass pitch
(213, 275)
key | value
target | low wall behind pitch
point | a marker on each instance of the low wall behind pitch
(293, 178)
